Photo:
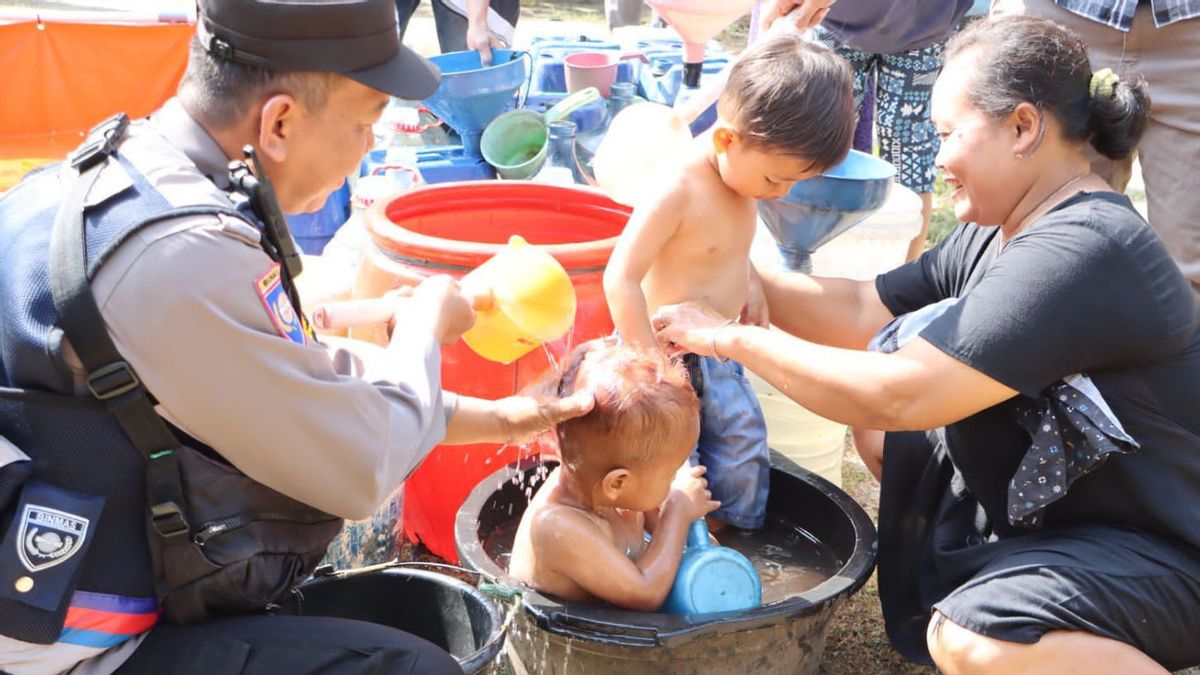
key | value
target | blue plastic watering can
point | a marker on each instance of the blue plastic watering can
(712, 578)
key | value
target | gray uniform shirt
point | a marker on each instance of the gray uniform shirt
(337, 425)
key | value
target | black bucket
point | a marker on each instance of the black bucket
(443, 610)
(549, 636)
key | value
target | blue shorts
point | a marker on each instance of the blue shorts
(903, 84)
(733, 441)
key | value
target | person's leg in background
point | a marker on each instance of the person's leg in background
(623, 13)
(903, 83)
(1169, 152)
(864, 133)
(864, 66)
(452, 22)
(404, 12)
(451, 28)
(907, 139)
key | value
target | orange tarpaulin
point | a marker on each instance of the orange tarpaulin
(59, 78)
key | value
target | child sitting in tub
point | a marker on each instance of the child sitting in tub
(623, 475)
(786, 114)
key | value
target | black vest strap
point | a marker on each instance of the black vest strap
(109, 377)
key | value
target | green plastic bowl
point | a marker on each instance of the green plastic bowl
(515, 143)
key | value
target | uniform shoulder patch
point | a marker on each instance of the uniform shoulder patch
(279, 308)
(49, 536)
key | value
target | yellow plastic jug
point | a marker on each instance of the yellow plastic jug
(532, 302)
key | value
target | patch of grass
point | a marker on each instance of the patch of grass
(942, 220)
(564, 10)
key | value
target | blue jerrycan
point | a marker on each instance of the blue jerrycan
(712, 578)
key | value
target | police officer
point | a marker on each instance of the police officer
(196, 307)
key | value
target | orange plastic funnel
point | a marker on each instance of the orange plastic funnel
(698, 21)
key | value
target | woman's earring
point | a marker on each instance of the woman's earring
(1020, 156)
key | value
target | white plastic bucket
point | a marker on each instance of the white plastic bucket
(876, 245)
(812, 442)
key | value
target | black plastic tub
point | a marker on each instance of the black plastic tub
(551, 637)
(441, 609)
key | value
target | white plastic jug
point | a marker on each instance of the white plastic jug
(644, 142)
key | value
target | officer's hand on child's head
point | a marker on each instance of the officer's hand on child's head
(442, 299)
(525, 417)
(691, 489)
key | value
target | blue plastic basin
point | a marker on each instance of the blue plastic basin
(816, 210)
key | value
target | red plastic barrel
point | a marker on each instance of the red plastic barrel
(452, 228)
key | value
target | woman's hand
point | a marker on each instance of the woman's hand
(480, 38)
(688, 327)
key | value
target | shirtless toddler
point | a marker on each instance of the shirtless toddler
(786, 114)
(623, 474)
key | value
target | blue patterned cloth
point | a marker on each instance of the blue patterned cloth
(1119, 13)
(902, 84)
(1071, 428)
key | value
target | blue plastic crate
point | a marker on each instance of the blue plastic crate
(313, 230)
(548, 75)
(585, 118)
(448, 163)
(438, 164)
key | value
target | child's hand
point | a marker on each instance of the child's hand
(689, 489)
